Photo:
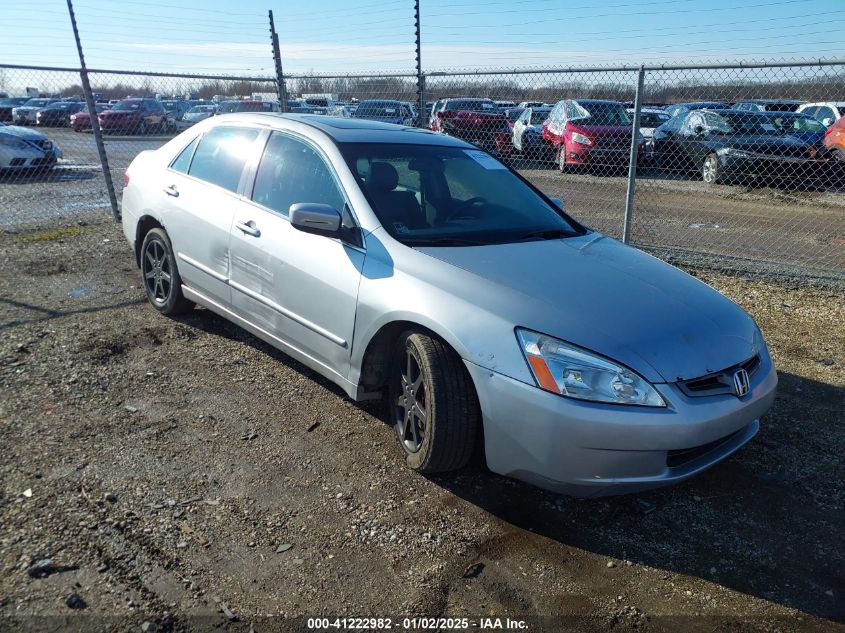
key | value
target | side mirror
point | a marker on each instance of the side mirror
(827, 121)
(698, 130)
(559, 203)
(318, 219)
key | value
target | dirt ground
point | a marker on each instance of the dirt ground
(164, 467)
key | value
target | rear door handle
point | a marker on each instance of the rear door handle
(249, 228)
(172, 191)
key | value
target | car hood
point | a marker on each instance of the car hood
(23, 133)
(28, 108)
(615, 300)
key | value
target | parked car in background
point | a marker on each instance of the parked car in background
(828, 112)
(26, 149)
(650, 118)
(58, 114)
(175, 109)
(196, 114)
(729, 145)
(767, 105)
(797, 125)
(477, 121)
(834, 141)
(416, 269)
(585, 132)
(505, 105)
(528, 132)
(6, 106)
(512, 114)
(82, 120)
(384, 110)
(680, 108)
(532, 104)
(134, 116)
(246, 105)
(27, 113)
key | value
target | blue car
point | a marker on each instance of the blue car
(797, 125)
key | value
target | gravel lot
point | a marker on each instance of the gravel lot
(792, 233)
(165, 466)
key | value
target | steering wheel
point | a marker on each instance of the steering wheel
(469, 209)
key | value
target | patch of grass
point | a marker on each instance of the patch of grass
(53, 234)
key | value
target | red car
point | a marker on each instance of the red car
(588, 132)
(82, 120)
(134, 116)
(834, 139)
(476, 121)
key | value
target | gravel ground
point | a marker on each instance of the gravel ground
(182, 475)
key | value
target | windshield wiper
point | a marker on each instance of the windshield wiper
(444, 241)
(545, 234)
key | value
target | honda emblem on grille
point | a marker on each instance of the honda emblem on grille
(741, 383)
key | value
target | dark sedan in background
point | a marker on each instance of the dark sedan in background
(728, 145)
(6, 106)
(58, 114)
(385, 111)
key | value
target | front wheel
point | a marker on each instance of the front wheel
(434, 409)
(161, 276)
(710, 169)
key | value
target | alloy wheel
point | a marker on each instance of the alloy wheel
(710, 170)
(410, 406)
(157, 272)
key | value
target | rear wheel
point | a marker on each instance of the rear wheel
(162, 282)
(434, 409)
(562, 165)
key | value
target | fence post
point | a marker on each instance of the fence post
(277, 59)
(632, 160)
(92, 112)
(421, 114)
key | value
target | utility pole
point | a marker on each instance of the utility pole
(92, 112)
(277, 58)
(421, 115)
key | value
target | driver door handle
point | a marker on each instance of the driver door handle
(249, 228)
(172, 191)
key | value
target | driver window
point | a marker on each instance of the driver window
(291, 171)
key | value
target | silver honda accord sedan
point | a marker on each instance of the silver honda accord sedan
(409, 265)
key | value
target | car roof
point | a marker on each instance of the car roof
(343, 130)
(596, 101)
(838, 104)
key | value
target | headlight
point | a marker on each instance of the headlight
(737, 153)
(574, 372)
(13, 142)
(580, 138)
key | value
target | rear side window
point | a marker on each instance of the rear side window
(183, 160)
(290, 172)
(221, 155)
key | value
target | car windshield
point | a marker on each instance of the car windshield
(653, 119)
(200, 109)
(740, 123)
(538, 116)
(126, 106)
(451, 196)
(798, 124)
(37, 102)
(12, 101)
(376, 109)
(60, 106)
(473, 105)
(240, 106)
(600, 113)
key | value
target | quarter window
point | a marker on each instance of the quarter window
(221, 155)
(291, 172)
(183, 160)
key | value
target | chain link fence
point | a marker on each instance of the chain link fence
(737, 167)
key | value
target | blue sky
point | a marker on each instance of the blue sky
(222, 36)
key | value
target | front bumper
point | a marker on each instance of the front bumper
(590, 449)
(772, 167)
(28, 158)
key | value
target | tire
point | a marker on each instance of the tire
(562, 165)
(710, 170)
(431, 377)
(160, 275)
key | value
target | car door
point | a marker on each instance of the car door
(299, 287)
(200, 192)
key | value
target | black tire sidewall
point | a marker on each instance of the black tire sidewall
(419, 458)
